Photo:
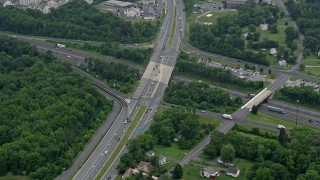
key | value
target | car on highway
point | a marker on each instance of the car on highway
(275, 109)
(179, 18)
(227, 116)
(106, 152)
(203, 111)
(69, 56)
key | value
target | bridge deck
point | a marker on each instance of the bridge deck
(259, 98)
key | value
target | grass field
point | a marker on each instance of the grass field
(267, 119)
(123, 141)
(312, 60)
(13, 177)
(262, 130)
(215, 15)
(173, 30)
(208, 120)
(172, 152)
(191, 170)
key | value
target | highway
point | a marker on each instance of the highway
(150, 91)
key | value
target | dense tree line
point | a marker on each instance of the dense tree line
(201, 96)
(47, 112)
(225, 37)
(298, 159)
(119, 76)
(188, 65)
(76, 20)
(162, 132)
(305, 95)
(307, 15)
(140, 56)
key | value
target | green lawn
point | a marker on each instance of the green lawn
(191, 170)
(172, 152)
(208, 120)
(123, 141)
(262, 130)
(173, 30)
(215, 15)
(13, 177)
(267, 119)
(312, 60)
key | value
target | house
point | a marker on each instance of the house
(132, 12)
(154, 177)
(145, 2)
(162, 160)
(234, 4)
(150, 153)
(129, 172)
(145, 166)
(319, 53)
(118, 4)
(282, 63)
(264, 27)
(8, 3)
(273, 51)
(208, 172)
(234, 172)
(177, 137)
(219, 160)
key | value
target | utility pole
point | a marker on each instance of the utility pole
(297, 113)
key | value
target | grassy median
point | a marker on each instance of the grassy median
(173, 30)
(123, 141)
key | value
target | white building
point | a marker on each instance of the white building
(208, 172)
(132, 12)
(162, 160)
(234, 172)
(282, 63)
(145, 2)
(273, 51)
(264, 27)
(8, 3)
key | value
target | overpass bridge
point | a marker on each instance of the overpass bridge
(260, 97)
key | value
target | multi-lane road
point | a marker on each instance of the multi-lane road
(150, 91)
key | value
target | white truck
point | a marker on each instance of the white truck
(281, 126)
(227, 116)
(61, 45)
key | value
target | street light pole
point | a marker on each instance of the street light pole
(297, 113)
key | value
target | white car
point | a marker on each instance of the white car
(179, 18)
(227, 116)
(106, 152)
(203, 111)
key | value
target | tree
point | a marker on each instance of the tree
(227, 153)
(283, 137)
(254, 109)
(210, 151)
(177, 172)
(274, 29)
(263, 173)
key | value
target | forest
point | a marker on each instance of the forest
(292, 156)
(225, 37)
(201, 96)
(117, 75)
(307, 15)
(305, 95)
(47, 112)
(188, 65)
(166, 125)
(76, 20)
(139, 56)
